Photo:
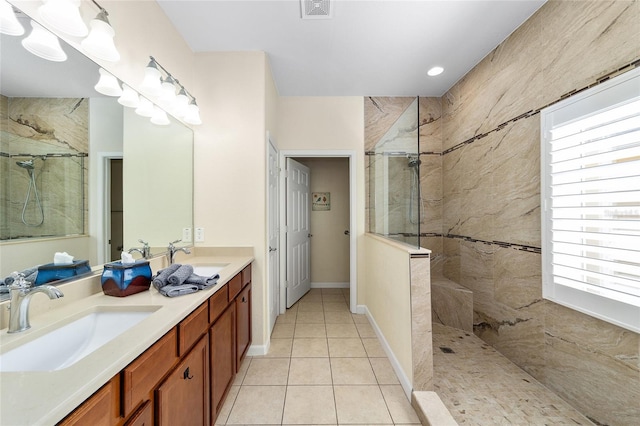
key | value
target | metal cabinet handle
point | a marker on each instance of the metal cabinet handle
(187, 375)
(272, 249)
(244, 299)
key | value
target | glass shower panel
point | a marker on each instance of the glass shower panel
(43, 195)
(394, 181)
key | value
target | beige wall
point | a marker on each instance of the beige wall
(329, 245)
(388, 298)
(328, 123)
(230, 161)
(491, 190)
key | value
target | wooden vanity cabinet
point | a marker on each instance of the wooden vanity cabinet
(141, 377)
(183, 397)
(243, 324)
(223, 357)
(183, 378)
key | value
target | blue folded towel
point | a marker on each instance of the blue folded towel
(160, 280)
(178, 290)
(202, 282)
(180, 275)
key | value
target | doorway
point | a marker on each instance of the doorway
(333, 249)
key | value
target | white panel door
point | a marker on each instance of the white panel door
(298, 231)
(273, 255)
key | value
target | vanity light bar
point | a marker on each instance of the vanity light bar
(183, 105)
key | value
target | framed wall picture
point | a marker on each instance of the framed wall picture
(321, 201)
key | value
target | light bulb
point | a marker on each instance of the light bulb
(145, 108)
(159, 117)
(151, 81)
(9, 23)
(43, 43)
(129, 97)
(64, 16)
(99, 42)
(193, 114)
(108, 84)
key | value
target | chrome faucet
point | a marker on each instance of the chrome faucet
(173, 250)
(21, 294)
(145, 251)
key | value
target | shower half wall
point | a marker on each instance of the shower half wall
(43, 150)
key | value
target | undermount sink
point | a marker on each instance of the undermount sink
(65, 345)
(208, 269)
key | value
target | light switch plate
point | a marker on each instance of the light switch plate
(186, 235)
(199, 235)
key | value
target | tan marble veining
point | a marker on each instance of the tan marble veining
(431, 193)
(379, 115)
(430, 119)
(451, 304)
(585, 40)
(515, 192)
(564, 46)
(421, 334)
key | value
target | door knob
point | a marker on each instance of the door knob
(309, 235)
(347, 232)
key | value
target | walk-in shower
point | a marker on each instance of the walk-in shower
(395, 202)
(32, 197)
(42, 194)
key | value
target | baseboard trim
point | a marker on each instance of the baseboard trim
(404, 379)
(330, 285)
(361, 309)
(258, 350)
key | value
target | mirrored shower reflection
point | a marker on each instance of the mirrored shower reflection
(42, 195)
(395, 201)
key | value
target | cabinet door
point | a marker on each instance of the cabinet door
(223, 351)
(183, 398)
(142, 417)
(243, 324)
(101, 409)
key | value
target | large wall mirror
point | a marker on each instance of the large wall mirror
(79, 170)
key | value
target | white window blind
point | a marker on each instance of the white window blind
(591, 201)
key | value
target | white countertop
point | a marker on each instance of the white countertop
(46, 397)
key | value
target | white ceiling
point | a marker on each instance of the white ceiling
(368, 48)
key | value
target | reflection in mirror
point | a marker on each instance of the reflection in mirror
(79, 172)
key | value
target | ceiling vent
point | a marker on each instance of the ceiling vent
(316, 9)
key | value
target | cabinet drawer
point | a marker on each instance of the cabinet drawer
(143, 374)
(235, 285)
(192, 327)
(101, 409)
(246, 275)
(218, 303)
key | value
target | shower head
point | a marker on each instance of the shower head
(414, 161)
(26, 164)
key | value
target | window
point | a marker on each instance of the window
(591, 201)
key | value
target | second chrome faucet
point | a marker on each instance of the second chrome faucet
(172, 250)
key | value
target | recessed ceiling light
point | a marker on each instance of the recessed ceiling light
(435, 71)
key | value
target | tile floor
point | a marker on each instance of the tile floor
(480, 386)
(325, 366)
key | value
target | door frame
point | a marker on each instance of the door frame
(271, 143)
(103, 221)
(353, 276)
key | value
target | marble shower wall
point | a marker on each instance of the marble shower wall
(491, 202)
(41, 127)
